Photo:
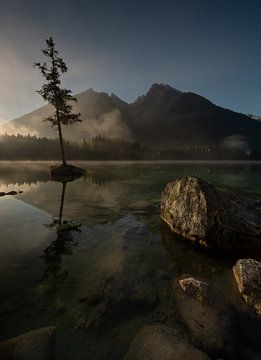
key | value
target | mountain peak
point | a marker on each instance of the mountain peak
(162, 88)
(157, 92)
(117, 100)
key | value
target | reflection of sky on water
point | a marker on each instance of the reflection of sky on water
(22, 231)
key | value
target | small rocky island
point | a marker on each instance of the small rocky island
(66, 173)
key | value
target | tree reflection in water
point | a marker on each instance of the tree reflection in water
(62, 245)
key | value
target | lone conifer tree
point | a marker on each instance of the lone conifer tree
(52, 92)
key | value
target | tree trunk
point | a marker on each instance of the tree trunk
(61, 143)
(62, 203)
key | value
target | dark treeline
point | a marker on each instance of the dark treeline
(19, 147)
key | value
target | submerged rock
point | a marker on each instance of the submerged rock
(217, 219)
(114, 296)
(160, 342)
(209, 319)
(36, 345)
(122, 278)
(247, 273)
(66, 173)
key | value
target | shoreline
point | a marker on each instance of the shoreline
(221, 162)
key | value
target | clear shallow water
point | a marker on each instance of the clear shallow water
(101, 280)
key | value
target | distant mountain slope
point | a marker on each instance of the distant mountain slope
(100, 114)
(255, 117)
(163, 116)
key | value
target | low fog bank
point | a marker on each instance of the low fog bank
(108, 124)
(10, 128)
(237, 142)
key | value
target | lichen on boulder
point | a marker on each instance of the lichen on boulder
(197, 289)
(198, 211)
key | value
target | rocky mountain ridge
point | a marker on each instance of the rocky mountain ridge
(163, 116)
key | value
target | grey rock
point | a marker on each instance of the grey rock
(160, 342)
(35, 345)
(209, 319)
(217, 219)
(247, 273)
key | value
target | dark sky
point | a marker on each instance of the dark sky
(209, 47)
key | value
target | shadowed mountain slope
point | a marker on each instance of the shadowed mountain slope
(162, 116)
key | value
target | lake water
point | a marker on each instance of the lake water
(93, 258)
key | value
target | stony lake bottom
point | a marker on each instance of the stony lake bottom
(111, 272)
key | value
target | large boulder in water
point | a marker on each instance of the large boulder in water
(209, 319)
(35, 345)
(217, 219)
(160, 342)
(247, 273)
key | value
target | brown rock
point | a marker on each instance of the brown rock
(197, 289)
(209, 319)
(35, 345)
(247, 273)
(160, 342)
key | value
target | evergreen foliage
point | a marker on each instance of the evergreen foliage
(20, 147)
(60, 98)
